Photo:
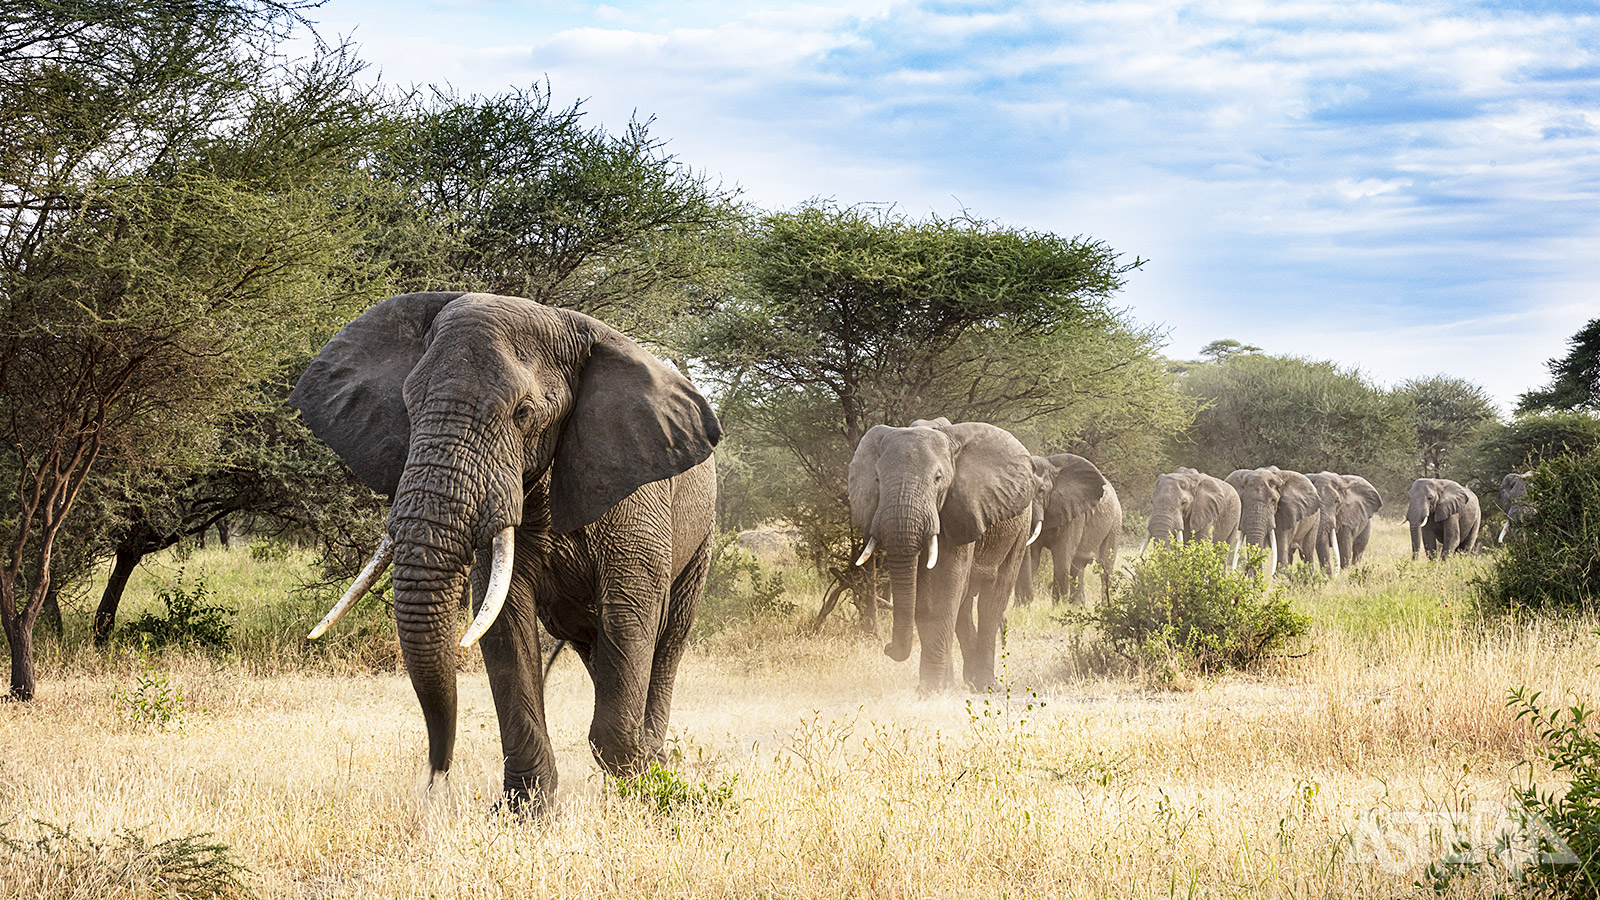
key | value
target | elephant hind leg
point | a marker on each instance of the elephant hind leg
(682, 601)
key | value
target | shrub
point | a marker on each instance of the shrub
(667, 793)
(1181, 606)
(1571, 747)
(1553, 563)
(739, 587)
(190, 620)
(152, 700)
(59, 863)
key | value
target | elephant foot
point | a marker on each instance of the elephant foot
(524, 797)
(981, 684)
(897, 652)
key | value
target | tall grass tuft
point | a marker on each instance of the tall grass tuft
(57, 863)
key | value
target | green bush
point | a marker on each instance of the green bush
(152, 700)
(739, 587)
(1180, 605)
(190, 620)
(1553, 563)
(1571, 747)
(667, 793)
(58, 863)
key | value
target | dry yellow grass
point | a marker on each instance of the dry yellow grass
(845, 783)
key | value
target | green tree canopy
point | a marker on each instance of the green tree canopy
(1576, 381)
(1525, 442)
(1448, 414)
(1299, 414)
(179, 221)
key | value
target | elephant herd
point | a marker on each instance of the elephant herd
(556, 472)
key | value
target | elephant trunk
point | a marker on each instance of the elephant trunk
(903, 588)
(444, 510)
(1164, 524)
(1416, 539)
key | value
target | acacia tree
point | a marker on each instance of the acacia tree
(1448, 414)
(1575, 384)
(173, 231)
(850, 317)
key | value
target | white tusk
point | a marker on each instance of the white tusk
(358, 589)
(933, 551)
(1337, 562)
(1035, 536)
(1503, 529)
(1424, 522)
(866, 552)
(1233, 551)
(1143, 546)
(1179, 533)
(494, 597)
(1272, 564)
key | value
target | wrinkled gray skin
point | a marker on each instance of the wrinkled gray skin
(1514, 502)
(1188, 504)
(1277, 503)
(971, 485)
(1444, 517)
(477, 412)
(1348, 504)
(1080, 519)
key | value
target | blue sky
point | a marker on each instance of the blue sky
(1406, 188)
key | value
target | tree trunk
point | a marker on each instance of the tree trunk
(105, 616)
(23, 677)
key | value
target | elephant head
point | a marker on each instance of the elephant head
(914, 489)
(1434, 500)
(1348, 504)
(1514, 501)
(481, 414)
(1271, 501)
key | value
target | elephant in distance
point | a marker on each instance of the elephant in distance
(1279, 510)
(1444, 517)
(1514, 502)
(1079, 520)
(556, 466)
(1189, 505)
(950, 508)
(1348, 504)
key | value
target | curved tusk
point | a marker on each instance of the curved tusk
(1038, 527)
(866, 552)
(1233, 551)
(1337, 562)
(1424, 522)
(1272, 564)
(494, 597)
(1143, 546)
(1503, 529)
(358, 589)
(933, 551)
(1179, 534)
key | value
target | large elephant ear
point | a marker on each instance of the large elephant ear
(1208, 497)
(1297, 496)
(351, 396)
(634, 420)
(863, 479)
(1363, 491)
(1078, 487)
(1453, 498)
(1238, 477)
(993, 481)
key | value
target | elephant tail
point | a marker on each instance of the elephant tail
(551, 662)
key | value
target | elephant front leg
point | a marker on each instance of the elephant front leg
(939, 596)
(512, 659)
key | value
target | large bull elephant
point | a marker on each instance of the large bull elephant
(1188, 505)
(1280, 510)
(566, 469)
(1348, 504)
(1444, 517)
(949, 507)
(1514, 502)
(1079, 520)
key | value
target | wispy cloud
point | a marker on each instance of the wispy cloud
(1313, 177)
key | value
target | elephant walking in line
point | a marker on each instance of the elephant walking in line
(1080, 519)
(1514, 502)
(1348, 504)
(1189, 505)
(1280, 510)
(950, 508)
(1444, 517)
(556, 466)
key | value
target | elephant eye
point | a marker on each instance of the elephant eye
(524, 413)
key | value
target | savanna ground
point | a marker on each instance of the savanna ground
(825, 774)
